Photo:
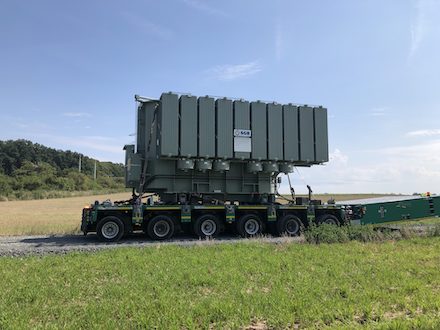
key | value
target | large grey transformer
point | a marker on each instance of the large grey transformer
(221, 149)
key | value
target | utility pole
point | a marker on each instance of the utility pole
(94, 171)
(79, 164)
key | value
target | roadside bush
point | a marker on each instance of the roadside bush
(407, 232)
(434, 231)
(326, 233)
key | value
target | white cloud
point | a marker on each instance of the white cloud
(378, 112)
(202, 6)
(421, 153)
(426, 16)
(232, 72)
(77, 114)
(424, 132)
(100, 143)
(338, 156)
(401, 169)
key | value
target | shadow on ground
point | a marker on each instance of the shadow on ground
(92, 239)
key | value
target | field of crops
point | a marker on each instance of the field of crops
(47, 216)
(378, 285)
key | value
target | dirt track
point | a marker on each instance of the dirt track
(39, 245)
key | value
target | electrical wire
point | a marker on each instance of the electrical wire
(302, 179)
(281, 196)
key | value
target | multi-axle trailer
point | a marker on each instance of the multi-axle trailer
(111, 221)
(207, 164)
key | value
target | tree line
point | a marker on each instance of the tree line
(30, 170)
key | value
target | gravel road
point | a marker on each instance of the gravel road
(60, 244)
(17, 246)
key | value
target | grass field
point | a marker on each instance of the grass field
(63, 215)
(47, 216)
(395, 284)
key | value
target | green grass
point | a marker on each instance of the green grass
(395, 284)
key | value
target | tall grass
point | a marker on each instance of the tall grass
(326, 233)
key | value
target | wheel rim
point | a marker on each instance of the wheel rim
(208, 227)
(252, 226)
(161, 228)
(110, 230)
(292, 227)
(330, 221)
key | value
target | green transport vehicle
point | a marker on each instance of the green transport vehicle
(203, 165)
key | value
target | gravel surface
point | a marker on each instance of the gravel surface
(17, 246)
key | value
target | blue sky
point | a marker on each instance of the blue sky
(69, 70)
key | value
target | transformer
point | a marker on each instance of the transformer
(221, 149)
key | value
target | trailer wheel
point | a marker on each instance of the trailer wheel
(160, 227)
(289, 225)
(249, 225)
(110, 229)
(328, 219)
(206, 226)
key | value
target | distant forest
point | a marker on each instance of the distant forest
(32, 171)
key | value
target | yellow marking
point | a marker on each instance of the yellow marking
(210, 207)
(252, 207)
(294, 208)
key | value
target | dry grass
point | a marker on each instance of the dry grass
(49, 216)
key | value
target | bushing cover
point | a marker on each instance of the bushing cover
(254, 167)
(203, 164)
(286, 167)
(185, 164)
(270, 167)
(220, 165)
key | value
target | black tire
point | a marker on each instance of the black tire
(328, 219)
(110, 229)
(289, 225)
(207, 226)
(160, 227)
(249, 225)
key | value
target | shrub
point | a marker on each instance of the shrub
(407, 232)
(434, 231)
(326, 233)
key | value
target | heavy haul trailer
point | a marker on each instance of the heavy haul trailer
(213, 164)
(391, 208)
